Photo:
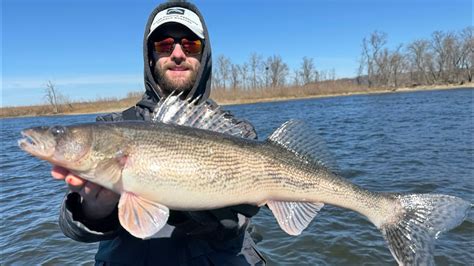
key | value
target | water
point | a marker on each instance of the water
(405, 142)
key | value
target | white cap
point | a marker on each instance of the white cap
(179, 15)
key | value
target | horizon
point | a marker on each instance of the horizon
(77, 49)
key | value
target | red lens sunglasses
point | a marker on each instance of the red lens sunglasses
(166, 46)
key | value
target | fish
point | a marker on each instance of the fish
(192, 157)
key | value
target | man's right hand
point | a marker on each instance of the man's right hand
(98, 202)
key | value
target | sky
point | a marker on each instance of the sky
(93, 48)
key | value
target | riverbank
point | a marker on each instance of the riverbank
(242, 100)
(223, 97)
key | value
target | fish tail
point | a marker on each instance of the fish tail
(417, 221)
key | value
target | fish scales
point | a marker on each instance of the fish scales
(227, 175)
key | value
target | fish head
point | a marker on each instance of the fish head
(60, 145)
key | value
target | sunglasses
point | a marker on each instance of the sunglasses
(166, 46)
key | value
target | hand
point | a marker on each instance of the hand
(98, 202)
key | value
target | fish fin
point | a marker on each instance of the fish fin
(294, 217)
(111, 169)
(298, 138)
(141, 217)
(176, 111)
(411, 231)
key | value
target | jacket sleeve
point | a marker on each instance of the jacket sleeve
(75, 226)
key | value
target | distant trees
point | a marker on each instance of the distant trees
(277, 71)
(52, 95)
(446, 58)
(55, 98)
(308, 72)
(258, 73)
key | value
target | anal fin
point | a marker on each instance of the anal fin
(294, 217)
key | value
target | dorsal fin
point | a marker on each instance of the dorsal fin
(174, 110)
(298, 138)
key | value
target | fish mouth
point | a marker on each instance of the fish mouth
(37, 144)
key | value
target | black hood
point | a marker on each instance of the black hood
(202, 86)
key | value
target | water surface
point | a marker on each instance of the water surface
(403, 142)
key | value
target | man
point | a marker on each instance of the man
(177, 55)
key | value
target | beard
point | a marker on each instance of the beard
(176, 84)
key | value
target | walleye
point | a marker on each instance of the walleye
(171, 164)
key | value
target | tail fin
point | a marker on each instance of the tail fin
(422, 217)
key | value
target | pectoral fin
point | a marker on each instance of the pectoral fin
(111, 169)
(141, 217)
(294, 217)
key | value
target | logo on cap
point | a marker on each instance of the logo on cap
(178, 11)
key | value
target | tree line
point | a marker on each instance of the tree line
(444, 58)
(259, 72)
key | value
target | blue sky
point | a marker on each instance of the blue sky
(92, 49)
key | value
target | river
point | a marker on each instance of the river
(419, 142)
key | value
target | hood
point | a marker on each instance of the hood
(202, 86)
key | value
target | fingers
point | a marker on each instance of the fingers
(75, 183)
(58, 172)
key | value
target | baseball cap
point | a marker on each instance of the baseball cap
(179, 15)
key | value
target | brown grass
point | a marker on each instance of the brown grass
(222, 96)
(325, 88)
(101, 105)
(321, 89)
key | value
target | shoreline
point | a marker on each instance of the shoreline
(345, 94)
(285, 98)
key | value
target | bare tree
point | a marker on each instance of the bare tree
(255, 64)
(397, 65)
(234, 76)
(323, 75)
(332, 74)
(277, 71)
(467, 54)
(374, 57)
(383, 67)
(380, 56)
(441, 55)
(452, 54)
(52, 96)
(366, 62)
(223, 70)
(421, 61)
(316, 75)
(307, 70)
(297, 78)
(244, 72)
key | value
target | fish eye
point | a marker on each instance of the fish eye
(57, 130)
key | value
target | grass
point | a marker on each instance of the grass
(222, 96)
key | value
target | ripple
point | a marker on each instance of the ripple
(403, 142)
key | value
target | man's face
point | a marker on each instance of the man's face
(177, 70)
